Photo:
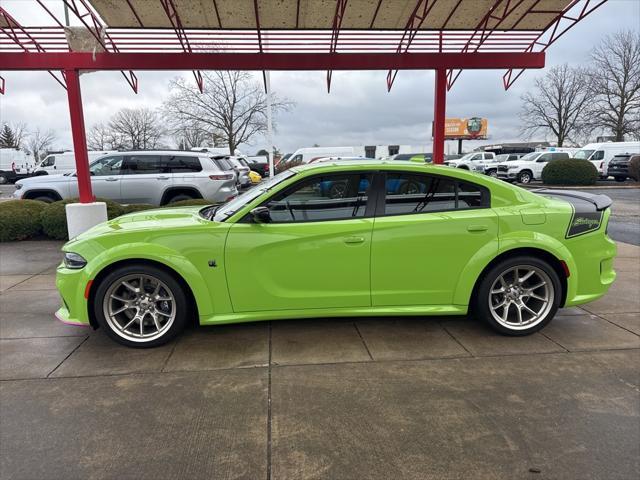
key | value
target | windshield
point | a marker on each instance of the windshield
(583, 154)
(530, 157)
(228, 209)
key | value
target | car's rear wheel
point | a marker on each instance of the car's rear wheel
(180, 197)
(3, 179)
(518, 296)
(141, 306)
(525, 177)
(620, 179)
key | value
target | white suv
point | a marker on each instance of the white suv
(529, 167)
(155, 177)
(474, 161)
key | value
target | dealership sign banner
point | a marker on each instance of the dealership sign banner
(473, 128)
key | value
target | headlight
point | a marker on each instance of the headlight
(74, 261)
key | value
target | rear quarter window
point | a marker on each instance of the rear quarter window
(181, 164)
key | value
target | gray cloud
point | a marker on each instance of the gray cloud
(358, 111)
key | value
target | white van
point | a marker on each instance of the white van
(600, 154)
(61, 163)
(14, 164)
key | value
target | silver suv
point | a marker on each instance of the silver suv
(155, 177)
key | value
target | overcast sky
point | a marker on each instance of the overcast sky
(359, 110)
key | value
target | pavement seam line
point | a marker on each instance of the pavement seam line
(614, 323)
(65, 358)
(455, 339)
(553, 341)
(166, 360)
(269, 434)
(366, 347)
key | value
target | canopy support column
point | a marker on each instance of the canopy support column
(79, 136)
(439, 108)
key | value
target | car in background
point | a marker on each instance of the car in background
(508, 256)
(474, 161)
(14, 165)
(600, 154)
(259, 164)
(529, 167)
(240, 166)
(337, 159)
(154, 177)
(452, 156)
(491, 168)
(65, 162)
(619, 166)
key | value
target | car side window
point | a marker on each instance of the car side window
(477, 156)
(545, 157)
(48, 162)
(415, 193)
(106, 166)
(599, 155)
(325, 197)
(181, 164)
(143, 164)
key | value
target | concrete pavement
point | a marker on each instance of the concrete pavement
(423, 398)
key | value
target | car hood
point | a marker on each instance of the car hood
(151, 220)
(516, 163)
(44, 179)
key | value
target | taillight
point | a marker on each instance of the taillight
(226, 176)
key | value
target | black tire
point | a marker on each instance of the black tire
(482, 309)
(180, 197)
(492, 173)
(620, 179)
(3, 179)
(525, 177)
(44, 198)
(174, 288)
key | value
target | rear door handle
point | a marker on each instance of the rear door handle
(354, 239)
(162, 178)
(111, 179)
(477, 228)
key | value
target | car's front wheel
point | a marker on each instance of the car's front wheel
(518, 296)
(493, 173)
(140, 306)
(525, 177)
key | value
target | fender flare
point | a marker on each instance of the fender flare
(504, 244)
(164, 256)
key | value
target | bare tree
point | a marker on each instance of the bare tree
(615, 83)
(101, 137)
(39, 142)
(233, 106)
(137, 129)
(190, 134)
(558, 104)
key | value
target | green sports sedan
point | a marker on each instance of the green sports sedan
(364, 238)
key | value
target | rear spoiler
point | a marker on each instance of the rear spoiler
(601, 202)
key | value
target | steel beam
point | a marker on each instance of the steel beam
(439, 113)
(341, 5)
(267, 61)
(129, 76)
(416, 19)
(567, 21)
(79, 136)
(2, 86)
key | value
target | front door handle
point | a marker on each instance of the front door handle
(354, 239)
(477, 228)
(111, 179)
(162, 178)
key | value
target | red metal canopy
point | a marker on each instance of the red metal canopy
(444, 35)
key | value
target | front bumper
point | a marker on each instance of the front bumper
(508, 175)
(71, 285)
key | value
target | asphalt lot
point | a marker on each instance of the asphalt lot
(420, 398)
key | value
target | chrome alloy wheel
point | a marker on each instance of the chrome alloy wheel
(521, 297)
(139, 308)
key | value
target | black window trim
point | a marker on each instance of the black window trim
(382, 194)
(370, 207)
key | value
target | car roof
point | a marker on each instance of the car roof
(186, 153)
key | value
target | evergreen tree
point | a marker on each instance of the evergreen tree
(7, 138)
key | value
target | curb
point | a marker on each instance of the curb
(586, 187)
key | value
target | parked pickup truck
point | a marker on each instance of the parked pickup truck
(474, 161)
(529, 167)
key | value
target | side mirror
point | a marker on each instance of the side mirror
(261, 215)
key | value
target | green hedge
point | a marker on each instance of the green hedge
(54, 217)
(634, 168)
(569, 172)
(137, 207)
(190, 203)
(20, 219)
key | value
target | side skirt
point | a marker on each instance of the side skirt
(387, 311)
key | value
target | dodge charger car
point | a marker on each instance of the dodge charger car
(397, 238)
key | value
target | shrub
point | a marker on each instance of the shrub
(54, 217)
(20, 219)
(137, 207)
(569, 172)
(634, 167)
(190, 203)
